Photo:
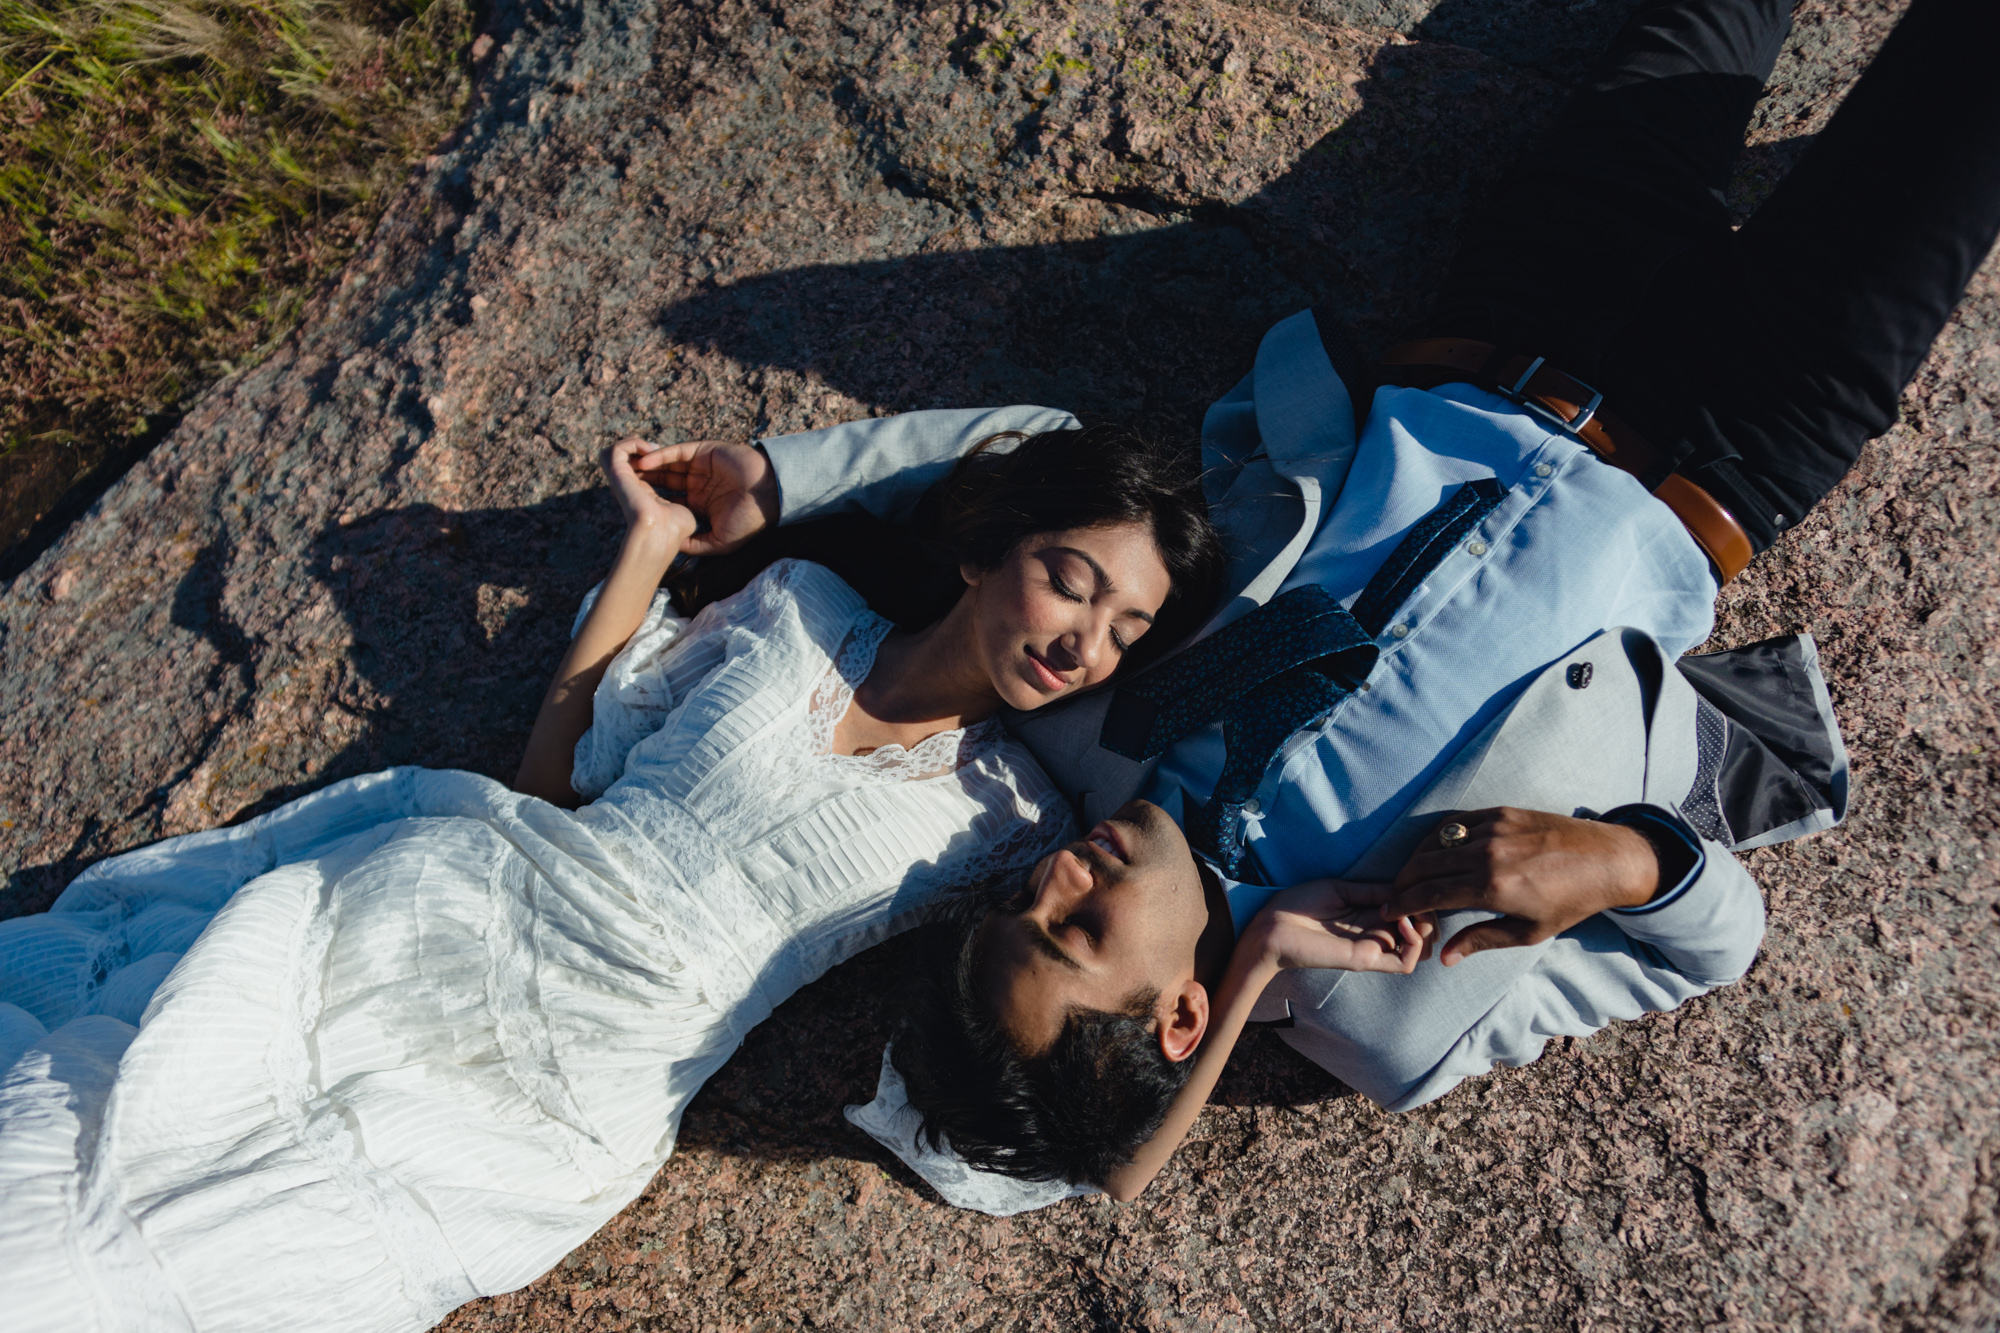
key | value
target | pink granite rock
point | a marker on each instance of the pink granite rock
(724, 217)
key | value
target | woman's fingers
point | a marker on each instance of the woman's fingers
(674, 465)
(730, 485)
(620, 455)
(633, 481)
(633, 492)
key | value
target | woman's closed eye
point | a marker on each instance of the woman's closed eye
(1063, 590)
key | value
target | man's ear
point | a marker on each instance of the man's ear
(1183, 1020)
(972, 574)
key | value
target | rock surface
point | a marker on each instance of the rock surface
(728, 217)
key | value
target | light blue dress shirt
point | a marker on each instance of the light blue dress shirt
(1576, 546)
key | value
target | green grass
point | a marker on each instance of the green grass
(175, 178)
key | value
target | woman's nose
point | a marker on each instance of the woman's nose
(1092, 645)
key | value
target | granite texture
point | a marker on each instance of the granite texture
(729, 217)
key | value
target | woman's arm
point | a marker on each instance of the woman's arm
(1325, 923)
(656, 529)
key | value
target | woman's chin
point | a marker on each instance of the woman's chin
(1026, 698)
(1025, 692)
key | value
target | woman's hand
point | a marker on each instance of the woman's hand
(730, 485)
(1321, 923)
(629, 464)
(1335, 923)
(657, 529)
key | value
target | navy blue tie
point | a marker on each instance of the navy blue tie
(1277, 671)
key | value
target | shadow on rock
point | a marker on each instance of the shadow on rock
(1157, 306)
(456, 621)
(1153, 317)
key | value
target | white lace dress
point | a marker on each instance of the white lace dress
(409, 1040)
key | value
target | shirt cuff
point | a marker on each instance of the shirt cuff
(1676, 845)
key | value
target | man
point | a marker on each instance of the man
(1445, 596)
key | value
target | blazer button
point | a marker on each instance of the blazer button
(1579, 675)
(1253, 807)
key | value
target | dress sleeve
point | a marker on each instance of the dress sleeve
(1021, 819)
(1024, 819)
(667, 659)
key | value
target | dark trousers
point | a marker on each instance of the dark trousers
(1759, 359)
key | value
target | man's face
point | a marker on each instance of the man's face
(1117, 913)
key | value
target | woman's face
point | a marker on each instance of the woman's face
(1057, 614)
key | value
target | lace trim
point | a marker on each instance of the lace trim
(934, 756)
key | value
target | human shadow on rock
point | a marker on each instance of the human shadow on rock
(456, 621)
(1156, 313)
(1150, 324)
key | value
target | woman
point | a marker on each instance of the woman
(427, 1033)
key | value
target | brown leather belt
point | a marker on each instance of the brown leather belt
(1578, 410)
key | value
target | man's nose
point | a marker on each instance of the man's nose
(1068, 880)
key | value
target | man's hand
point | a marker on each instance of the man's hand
(1542, 872)
(730, 485)
(1338, 924)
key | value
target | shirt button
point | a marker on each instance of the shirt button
(1544, 470)
(1475, 548)
(1253, 807)
(1400, 631)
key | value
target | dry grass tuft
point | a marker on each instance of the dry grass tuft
(175, 177)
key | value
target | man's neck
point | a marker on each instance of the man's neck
(1218, 937)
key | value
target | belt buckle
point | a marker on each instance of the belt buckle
(1519, 396)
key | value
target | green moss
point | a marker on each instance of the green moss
(175, 176)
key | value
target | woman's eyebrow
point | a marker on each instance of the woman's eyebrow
(1104, 583)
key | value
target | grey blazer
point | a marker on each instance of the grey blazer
(1629, 735)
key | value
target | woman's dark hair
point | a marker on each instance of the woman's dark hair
(993, 499)
(1075, 1112)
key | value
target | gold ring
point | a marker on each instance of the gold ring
(1453, 834)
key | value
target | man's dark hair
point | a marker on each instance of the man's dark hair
(1075, 1112)
(992, 500)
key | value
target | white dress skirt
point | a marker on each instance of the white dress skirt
(409, 1040)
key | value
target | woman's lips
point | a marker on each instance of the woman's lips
(1049, 678)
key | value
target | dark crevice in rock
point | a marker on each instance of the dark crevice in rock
(1967, 1290)
(1699, 1179)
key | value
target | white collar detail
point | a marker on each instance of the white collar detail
(891, 1121)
